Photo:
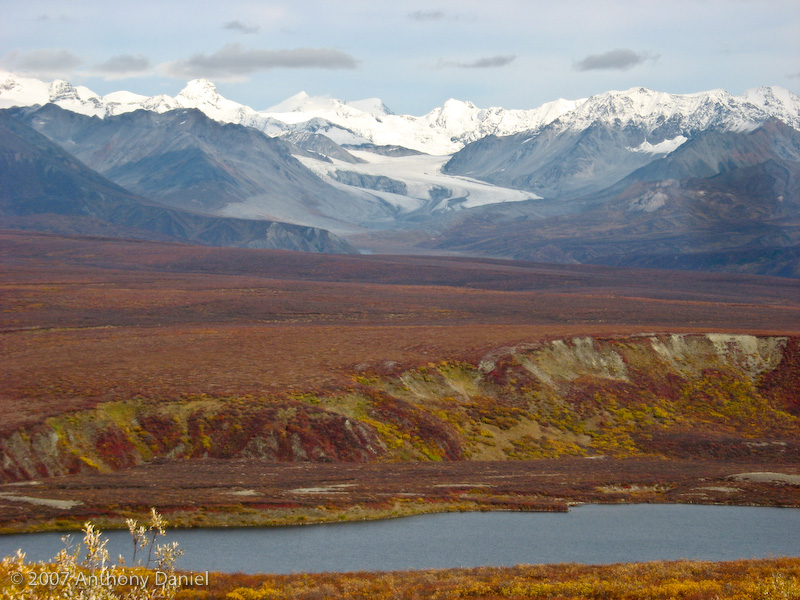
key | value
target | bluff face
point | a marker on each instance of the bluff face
(672, 396)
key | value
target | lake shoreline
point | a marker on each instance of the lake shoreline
(225, 520)
(590, 534)
(248, 493)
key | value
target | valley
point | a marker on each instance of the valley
(200, 370)
(450, 300)
(326, 312)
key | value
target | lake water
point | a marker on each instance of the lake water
(591, 534)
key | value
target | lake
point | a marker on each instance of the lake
(591, 534)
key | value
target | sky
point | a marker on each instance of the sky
(413, 55)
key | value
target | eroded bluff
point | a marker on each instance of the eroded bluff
(712, 395)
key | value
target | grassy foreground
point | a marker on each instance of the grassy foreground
(750, 580)
(766, 579)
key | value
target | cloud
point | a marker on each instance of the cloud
(240, 27)
(621, 59)
(426, 15)
(794, 75)
(488, 62)
(233, 61)
(43, 18)
(42, 63)
(123, 65)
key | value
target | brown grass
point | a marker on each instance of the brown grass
(85, 321)
(88, 320)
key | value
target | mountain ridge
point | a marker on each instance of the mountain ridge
(184, 159)
(721, 201)
(638, 176)
(45, 188)
(443, 130)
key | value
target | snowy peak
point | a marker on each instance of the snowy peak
(373, 106)
(60, 90)
(21, 91)
(199, 93)
(445, 129)
(200, 90)
(456, 106)
(292, 104)
(77, 99)
(124, 98)
(771, 96)
(455, 113)
(777, 102)
(303, 103)
(203, 95)
(687, 112)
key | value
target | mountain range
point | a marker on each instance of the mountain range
(44, 188)
(635, 177)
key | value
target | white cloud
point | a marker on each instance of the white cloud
(426, 15)
(44, 18)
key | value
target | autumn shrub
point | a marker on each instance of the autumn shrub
(87, 572)
(685, 580)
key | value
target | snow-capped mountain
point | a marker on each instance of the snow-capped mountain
(691, 112)
(450, 127)
(200, 94)
(445, 129)
(610, 135)
(665, 168)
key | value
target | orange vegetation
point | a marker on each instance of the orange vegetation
(687, 580)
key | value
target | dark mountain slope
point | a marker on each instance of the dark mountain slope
(44, 188)
(556, 161)
(736, 209)
(713, 152)
(187, 160)
(320, 147)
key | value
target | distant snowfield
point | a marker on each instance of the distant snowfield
(444, 130)
(427, 189)
(664, 147)
(425, 182)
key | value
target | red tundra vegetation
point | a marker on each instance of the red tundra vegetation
(123, 355)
